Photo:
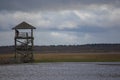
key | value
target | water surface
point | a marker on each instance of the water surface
(62, 71)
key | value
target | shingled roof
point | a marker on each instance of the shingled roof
(24, 25)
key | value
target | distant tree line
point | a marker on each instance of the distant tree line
(79, 48)
(68, 48)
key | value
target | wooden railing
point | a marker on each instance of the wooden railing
(23, 34)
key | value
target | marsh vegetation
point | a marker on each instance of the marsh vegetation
(66, 57)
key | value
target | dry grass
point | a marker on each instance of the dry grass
(67, 57)
(77, 57)
(6, 58)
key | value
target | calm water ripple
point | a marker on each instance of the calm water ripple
(62, 71)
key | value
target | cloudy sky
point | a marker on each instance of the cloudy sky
(62, 22)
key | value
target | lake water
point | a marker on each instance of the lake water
(61, 71)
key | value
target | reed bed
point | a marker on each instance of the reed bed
(77, 57)
(66, 57)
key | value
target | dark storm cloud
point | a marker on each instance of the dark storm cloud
(30, 5)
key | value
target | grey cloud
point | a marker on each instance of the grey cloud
(6, 38)
(94, 21)
(30, 5)
(64, 20)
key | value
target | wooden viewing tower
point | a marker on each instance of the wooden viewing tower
(24, 42)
